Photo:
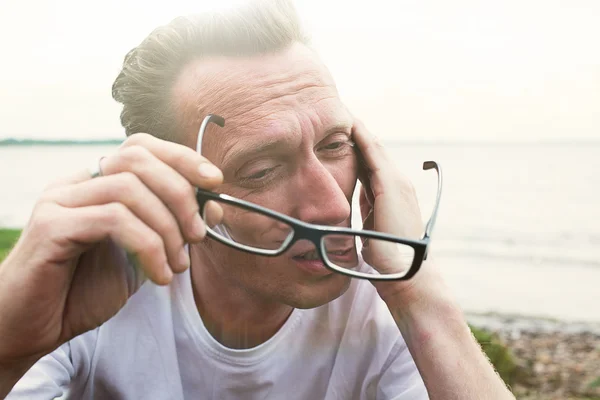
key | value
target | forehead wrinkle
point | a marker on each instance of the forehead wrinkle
(280, 128)
(233, 92)
(246, 90)
(243, 96)
(287, 95)
(244, 123)
(273, 133)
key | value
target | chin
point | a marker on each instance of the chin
(316, 294)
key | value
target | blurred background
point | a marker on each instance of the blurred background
(504, 95)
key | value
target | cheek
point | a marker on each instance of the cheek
(254, 229)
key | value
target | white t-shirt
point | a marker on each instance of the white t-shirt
(157, 347)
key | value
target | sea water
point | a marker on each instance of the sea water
(517, 232)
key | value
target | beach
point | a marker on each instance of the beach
(554, 360)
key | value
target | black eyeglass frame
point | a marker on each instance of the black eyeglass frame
(316, 233)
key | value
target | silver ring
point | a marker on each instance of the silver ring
(95, 170)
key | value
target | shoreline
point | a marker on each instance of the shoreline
(506, 322)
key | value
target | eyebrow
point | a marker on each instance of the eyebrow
(267, 144)
(248, 150)
(338, 128)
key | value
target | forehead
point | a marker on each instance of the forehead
(287, 91)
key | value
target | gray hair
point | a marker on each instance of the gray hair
(151, 69)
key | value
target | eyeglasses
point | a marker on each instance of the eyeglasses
(258, 230)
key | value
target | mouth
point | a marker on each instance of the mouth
(311, 262)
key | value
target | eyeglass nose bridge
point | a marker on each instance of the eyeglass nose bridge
(308, 234)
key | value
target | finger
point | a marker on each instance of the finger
(186, 161)
(89, 225)
(77, 177)
(379, 168)
(213, 213)
(173, 189)
(372, 150)
(126, 188)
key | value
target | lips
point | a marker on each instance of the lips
(309, 261)
(307, 255)
(314, 254)
(341, 250)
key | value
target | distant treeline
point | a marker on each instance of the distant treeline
(58, 142)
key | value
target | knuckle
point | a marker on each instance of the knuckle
(49, 194)
(152, 244)
(136, 139)
(125, 183)
(167, 227)
(44, 218)
(182, 192)
(134, 154)
(116, 213)
(180, 158)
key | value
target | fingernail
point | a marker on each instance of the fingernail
(199, 230)
(184, 258)
(208, 170)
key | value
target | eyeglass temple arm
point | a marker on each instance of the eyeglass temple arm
(431, 223)
(217, 119)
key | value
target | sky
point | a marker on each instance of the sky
(511, 70)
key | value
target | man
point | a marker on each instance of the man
(78, 319)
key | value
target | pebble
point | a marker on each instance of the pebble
(557, 360)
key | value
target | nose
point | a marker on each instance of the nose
(319, 197)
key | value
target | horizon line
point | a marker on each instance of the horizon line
(115, 140)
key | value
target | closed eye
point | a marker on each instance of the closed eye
(261, 178)
(260, 174)
(338, 145)
(334, 145)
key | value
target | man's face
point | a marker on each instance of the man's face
(286, 146)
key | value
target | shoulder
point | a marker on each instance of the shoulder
(146, 312)
(101, 353)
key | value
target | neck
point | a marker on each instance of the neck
(233, 315)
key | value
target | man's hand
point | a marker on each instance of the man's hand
(388, 203)
(449, 360)
(72, 268)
